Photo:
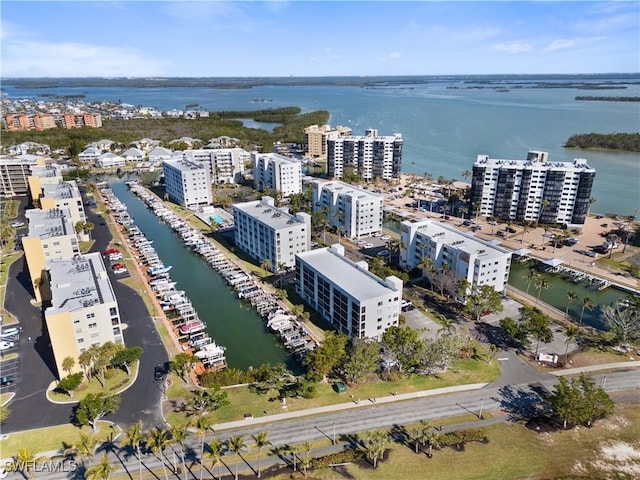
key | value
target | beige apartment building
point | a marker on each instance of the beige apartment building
(43, 173)
(83, 311)
(65, 195)
(51, 235)
(316, 138)
(15, 122)
(79, 120)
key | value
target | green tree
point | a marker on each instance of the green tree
(179, 435)
(126, 357)
(236, 444)
(579, 401)
(157, 440)
(261, 441)
(266, 265)
(541, 283)
(70, 383)
(483, 300)
(623, 321)
(203, 424)
(403, 344)
(95, 406)
(102, 470)
(375, 444)
(4, 413)
(67, 364)
(537, 324)
(363, 359)
(571, 331)
(85, 446)
(134, 438)
(181, 365)
(466, 174)
(571, 297)
(325, 358)
(214, 452)
(531, 276)
(588, 304)
(202, 402)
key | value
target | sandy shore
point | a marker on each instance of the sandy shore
(534, 240)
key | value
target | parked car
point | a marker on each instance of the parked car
(10, 332)
(501, 233)
(6, 380)
(17, 224)
(368, 245)
(511, 230)
(385, 237)
(383, 253)
(158, 373)
(6, 345)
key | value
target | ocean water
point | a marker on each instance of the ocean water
(444, 128)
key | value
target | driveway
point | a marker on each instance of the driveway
(35, 370)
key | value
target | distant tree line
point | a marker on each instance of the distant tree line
(611, 141)
(608, 99)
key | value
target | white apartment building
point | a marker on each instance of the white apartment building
(65, 195)
(361, 210)
(534, 189)
(453, 252)
(226, 165)
(51, 235)
(315, 138)
(271, 170)
(268, 233)
(187, 183)
(43, 173)
(355, 301)
(370, 156)
(84, 310)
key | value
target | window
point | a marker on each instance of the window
(81, 340)
(91, 315)
(93, 325)
(113, 311)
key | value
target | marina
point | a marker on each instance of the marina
(293, 342)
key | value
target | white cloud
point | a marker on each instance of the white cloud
(560, 44)
(395, 55)
(389, 56)
(34, 59)
(513, 47)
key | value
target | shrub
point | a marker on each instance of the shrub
(110, 373)
(338, 457)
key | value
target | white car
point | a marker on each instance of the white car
(385, 237)
(6, 345)
(368, 245)
(17, 224)
(360, 242)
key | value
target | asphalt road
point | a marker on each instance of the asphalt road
(34, 370)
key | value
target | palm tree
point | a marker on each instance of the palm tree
(67, 364)
(571, 297)
(434, 441)
(266, 265)
(571, 332)
(261, 441)
(25, 459)
(466, 174)
(427, 264)
(157, 440)
(282, 270)
(541, 283)
(86, 445)
(102, 470)
(134, 438)
(293, 450)
(531, 276)
(203, 426)
(236, 444)
(179, 434)
(375, 443)
(425, 432)
(588, 304)
(306, 448)
(215, 453)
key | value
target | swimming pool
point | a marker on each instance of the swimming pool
(218, 219)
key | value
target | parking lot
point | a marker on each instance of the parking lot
(9, 367)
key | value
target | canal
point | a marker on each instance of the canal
(230, 323)
(556, 294)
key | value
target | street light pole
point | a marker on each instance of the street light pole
(334, 433)
(481, 405)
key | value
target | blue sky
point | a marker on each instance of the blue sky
(305, 38)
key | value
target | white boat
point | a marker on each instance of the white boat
(159, 269)
(192, 327)
(210, 352)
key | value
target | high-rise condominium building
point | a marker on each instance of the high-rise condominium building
(271, 170)
(63, 195)
(354, 209)
(268, 233)
(354, 300)
(316, 138)
(370, 156)
(226, 165)
(187, 182)
(534, 189)
(453, 255)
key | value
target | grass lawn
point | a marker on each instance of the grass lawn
(48, 439)
(5, 397)
(113, 385)
(608, 450)
(242, 401)
(9, 356)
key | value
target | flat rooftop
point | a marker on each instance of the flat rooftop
(61, 191)
(46, 171)
(185, 164)
(268, 214)
(462, 241)
(346, 274)
(78, 283)
(346, 188)
(50, 223)
(578, 164)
